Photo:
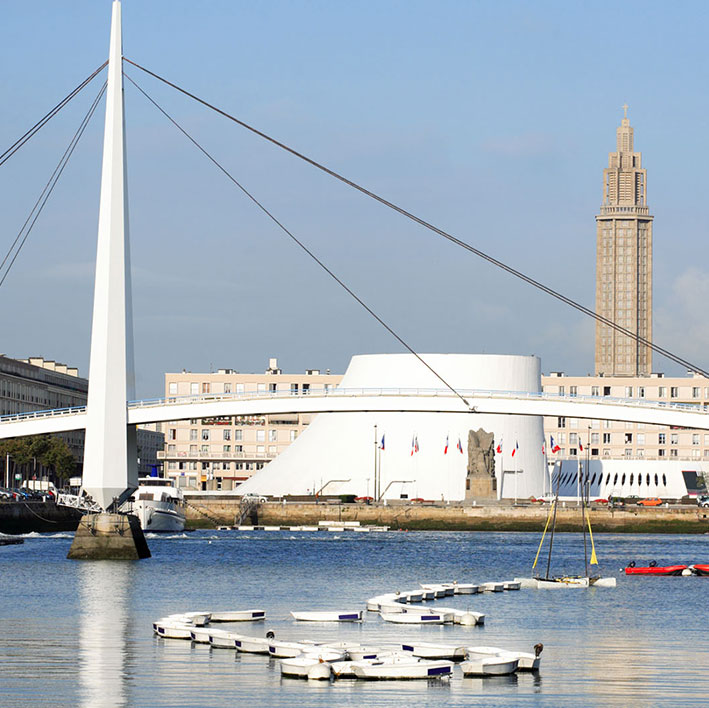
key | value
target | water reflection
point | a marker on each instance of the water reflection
(483, 684)
(103, 646)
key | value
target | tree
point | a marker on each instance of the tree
(49, 451)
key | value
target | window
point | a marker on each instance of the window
(294, 389)
(239, 388)
(194, 389)
(594, 438)
(272, 436)
(695, 392)
(193, 449)
(657, 482)
(205, 387)
(226, 434)
(561, 390)
(293, 434)
(227, 388)
(695, 438)
(573, 438)
(238, 448)
(204, 449)
(193, 434)
(171, 449)
(661, 438)
(594, 452)
(629, 453)
(172, 434)
(561, 422)
(271, 449)
(641, 391)
(674, 438)
(640, 452)
(273, 388)
(606, 390)
(573, 390)
(261, 388)
(595, 391)
(661, 453)
(260, 449)
(661, 392)
(674, 392)
(673, 452)
(238, 435)
(606, 438)
(260, 436)
(640, 440)
(664, 480)
(205, 434)
(628, 391)
(227, 448)
(172, 388)
(572, 451)
(628, 438)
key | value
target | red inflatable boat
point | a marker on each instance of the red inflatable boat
(651, 569)
(701, 568)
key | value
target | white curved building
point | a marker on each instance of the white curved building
(341, 446)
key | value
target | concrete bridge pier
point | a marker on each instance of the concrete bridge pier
(109, 537)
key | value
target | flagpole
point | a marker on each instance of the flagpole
(514, 452)
(375, 459)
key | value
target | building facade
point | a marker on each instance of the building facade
(37, 384)
(602, 439)
(624, 262)
(220, 453)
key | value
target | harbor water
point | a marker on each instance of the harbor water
(79, 633)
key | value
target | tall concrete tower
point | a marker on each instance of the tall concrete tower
(624, 261)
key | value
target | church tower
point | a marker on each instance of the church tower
(624, 261)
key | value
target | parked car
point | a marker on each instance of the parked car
(703, 500)
(651, 501)
(7, 494)
(600, 501)
(364, 500)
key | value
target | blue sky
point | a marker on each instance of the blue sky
(493, 120)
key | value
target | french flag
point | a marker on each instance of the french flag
(413, 445)
(515, 448)
(416, 443)
(580, 445)
(553, 445)
(382, 445)
(498, 449)
(460, 446)
(543, 448)
(445, 451)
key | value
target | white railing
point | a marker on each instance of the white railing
(371, 392)
(84, 504)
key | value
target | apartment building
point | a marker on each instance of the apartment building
(220, 453)
(613, 440)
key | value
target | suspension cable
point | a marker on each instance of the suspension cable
(47, 191)
(453, 239)
(297, 241)
(5, 156)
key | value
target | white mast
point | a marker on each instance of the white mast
(110, 459)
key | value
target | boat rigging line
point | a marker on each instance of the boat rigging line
(298, 242)
(47, 191)
(5, 156)
(444, 234)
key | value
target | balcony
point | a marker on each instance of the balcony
(183, 455)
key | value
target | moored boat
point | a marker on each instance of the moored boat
(654, 569)
(388, 670)
(173, 629)
(527, 661)
(414, 618)
(700, 569)
(430, 650)
(238, 616)
(311, 667)
(500, 665)
(158, 505)
(287, 650)
(252, 645)
(348, 616)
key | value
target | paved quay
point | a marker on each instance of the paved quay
(205, 512)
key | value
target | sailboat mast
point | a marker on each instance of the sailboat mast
(583, 514)
(553, 523)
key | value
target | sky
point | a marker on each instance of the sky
(492, 120)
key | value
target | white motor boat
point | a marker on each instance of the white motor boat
(411, 596)
(428, 595)
(429, 650)
(159, 506)
(224, 640)
(351, 616)
(198, 619)
(441, 589)
(252, 645)
(500, 665)
(311, 667)
(513, 585)
(415, 618)
(202, 635)
(239, 616)
(466, 589)
(464, 617)
(353, 651)
(527, 661)
(402, 669)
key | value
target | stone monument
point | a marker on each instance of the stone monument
(480, 482)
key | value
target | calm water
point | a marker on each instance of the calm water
(79, 634)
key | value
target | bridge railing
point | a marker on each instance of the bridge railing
(358, 392)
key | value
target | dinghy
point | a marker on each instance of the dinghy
(388, 670)
(411, 596)
(414, 618)
(198, 619)
(312, 668)
(466, 589)
(201, 635)
(288, 650)
(527, 661)
(252, 645)
(654, 569)
(172, 629)
(438, 589)
(353, 651)
(429, 650)
(480, 665)
(239, 616)
(345, 669)
(512, 585)
(351, 616)
(493, 587)
(700, 569)
(224, 640)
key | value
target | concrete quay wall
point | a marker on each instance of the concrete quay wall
(205, 512)
(29, 516)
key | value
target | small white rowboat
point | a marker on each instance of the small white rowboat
(239, 616)
(429, 650)
(413, 618)
(171, 629)
(490, 665)
(351, 616)
(383, 670)
(252, 645)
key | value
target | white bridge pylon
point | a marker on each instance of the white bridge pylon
(366, 401)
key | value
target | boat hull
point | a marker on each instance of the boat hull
(383, 671)
(239, 616)
(489, 666)
(700, 569)
(656, 570)
(352, 616)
